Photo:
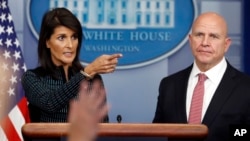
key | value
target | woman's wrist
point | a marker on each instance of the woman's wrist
(88, 76)
(87, 72)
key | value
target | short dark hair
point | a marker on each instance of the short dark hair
(52, 19)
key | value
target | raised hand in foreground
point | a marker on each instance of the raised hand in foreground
(87, 111)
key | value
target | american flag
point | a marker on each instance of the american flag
(13, 104)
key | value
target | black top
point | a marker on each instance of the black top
(49, 96)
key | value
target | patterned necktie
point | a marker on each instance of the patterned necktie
(197, 100)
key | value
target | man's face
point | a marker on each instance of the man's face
(209, 41)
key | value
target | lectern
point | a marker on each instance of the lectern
(171, 131)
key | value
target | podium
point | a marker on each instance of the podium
(171, 131)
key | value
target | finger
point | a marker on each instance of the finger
(75, 104)
(99, 108)
(84, 88)
(102, 112)
(96, 85)
(108, 68)
(98, 96)
(113, 56)
(97, 92)
(73, 110)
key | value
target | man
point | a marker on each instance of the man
(226, 90)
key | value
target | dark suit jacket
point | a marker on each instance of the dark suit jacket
(229, 105)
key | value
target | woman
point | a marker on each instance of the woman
(50, 87)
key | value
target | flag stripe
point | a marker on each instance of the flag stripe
(17, 119)
(10, 130)
(23, 108)
(2, 135)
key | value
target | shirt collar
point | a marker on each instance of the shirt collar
(214, 74)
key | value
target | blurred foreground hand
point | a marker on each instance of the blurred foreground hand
(87, 111)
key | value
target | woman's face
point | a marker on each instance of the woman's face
(63, 46)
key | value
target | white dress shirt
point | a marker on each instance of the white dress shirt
(214, 75)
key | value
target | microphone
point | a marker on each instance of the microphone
(119, 118)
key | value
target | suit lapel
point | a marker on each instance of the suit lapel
(181, 92)
(221, 95)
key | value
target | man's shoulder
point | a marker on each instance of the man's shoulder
(236, 73)
(181, 74)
